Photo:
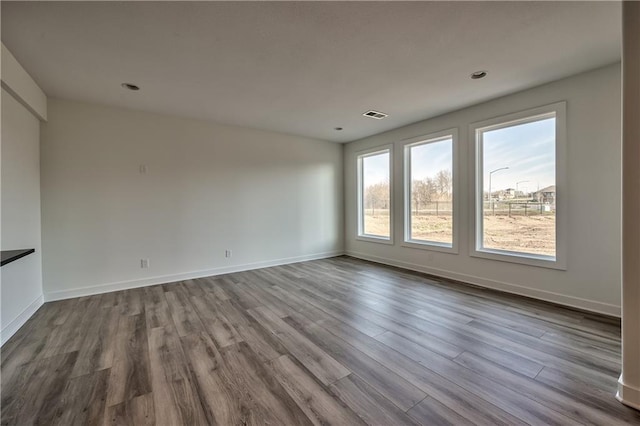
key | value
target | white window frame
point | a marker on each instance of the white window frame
(475, 135)
(360, 192)
(407, 144)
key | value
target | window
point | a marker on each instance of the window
(374, 195)
(519, 178)
(429, 191)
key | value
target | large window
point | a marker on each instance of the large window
(517, 199)
(429, 206)
(374, 195)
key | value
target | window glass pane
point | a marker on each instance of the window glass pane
(376, 197)
(431, 180)
(519, 188)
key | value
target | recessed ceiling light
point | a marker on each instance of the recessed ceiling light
(337, 128)
(375, 114)
(478, 74)
(130, 86)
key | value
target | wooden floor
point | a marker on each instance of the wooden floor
(337, 341)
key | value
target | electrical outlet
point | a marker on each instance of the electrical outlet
(143, 169)
(228, 253)
(144, 263)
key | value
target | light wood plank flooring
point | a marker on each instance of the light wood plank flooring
(336, 341)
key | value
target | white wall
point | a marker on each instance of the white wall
(629, 382)
(21, 288)
(270, 198)
(23, 104)
(592, 278)
(19, 83)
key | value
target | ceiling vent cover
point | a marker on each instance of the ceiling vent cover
(375, 114)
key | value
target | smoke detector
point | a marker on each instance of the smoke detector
(375, 114)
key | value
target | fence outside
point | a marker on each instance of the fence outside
(501, 208)
(497, 208)
(434, 208)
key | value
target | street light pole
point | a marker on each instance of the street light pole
(493, 210)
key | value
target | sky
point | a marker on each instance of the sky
(529, 152)
(375, 169)
(428, 159)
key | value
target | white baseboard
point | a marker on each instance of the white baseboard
(628, 395)
(11, 328)
(562, 299)
(164, 279)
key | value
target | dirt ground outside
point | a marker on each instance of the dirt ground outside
(432, 228)
(531, 234)
(377, 223)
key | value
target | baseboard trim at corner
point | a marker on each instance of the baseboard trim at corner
(165, 279)
(628, 395)
(10, 329)
(547, 296)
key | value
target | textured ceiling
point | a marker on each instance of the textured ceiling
(306, 67)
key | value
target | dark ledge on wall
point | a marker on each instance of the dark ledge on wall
(9, 256)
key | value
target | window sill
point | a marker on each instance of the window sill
(431, 246)
(374, 239)
(540, 261)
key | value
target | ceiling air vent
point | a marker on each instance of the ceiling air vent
(375, 114)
